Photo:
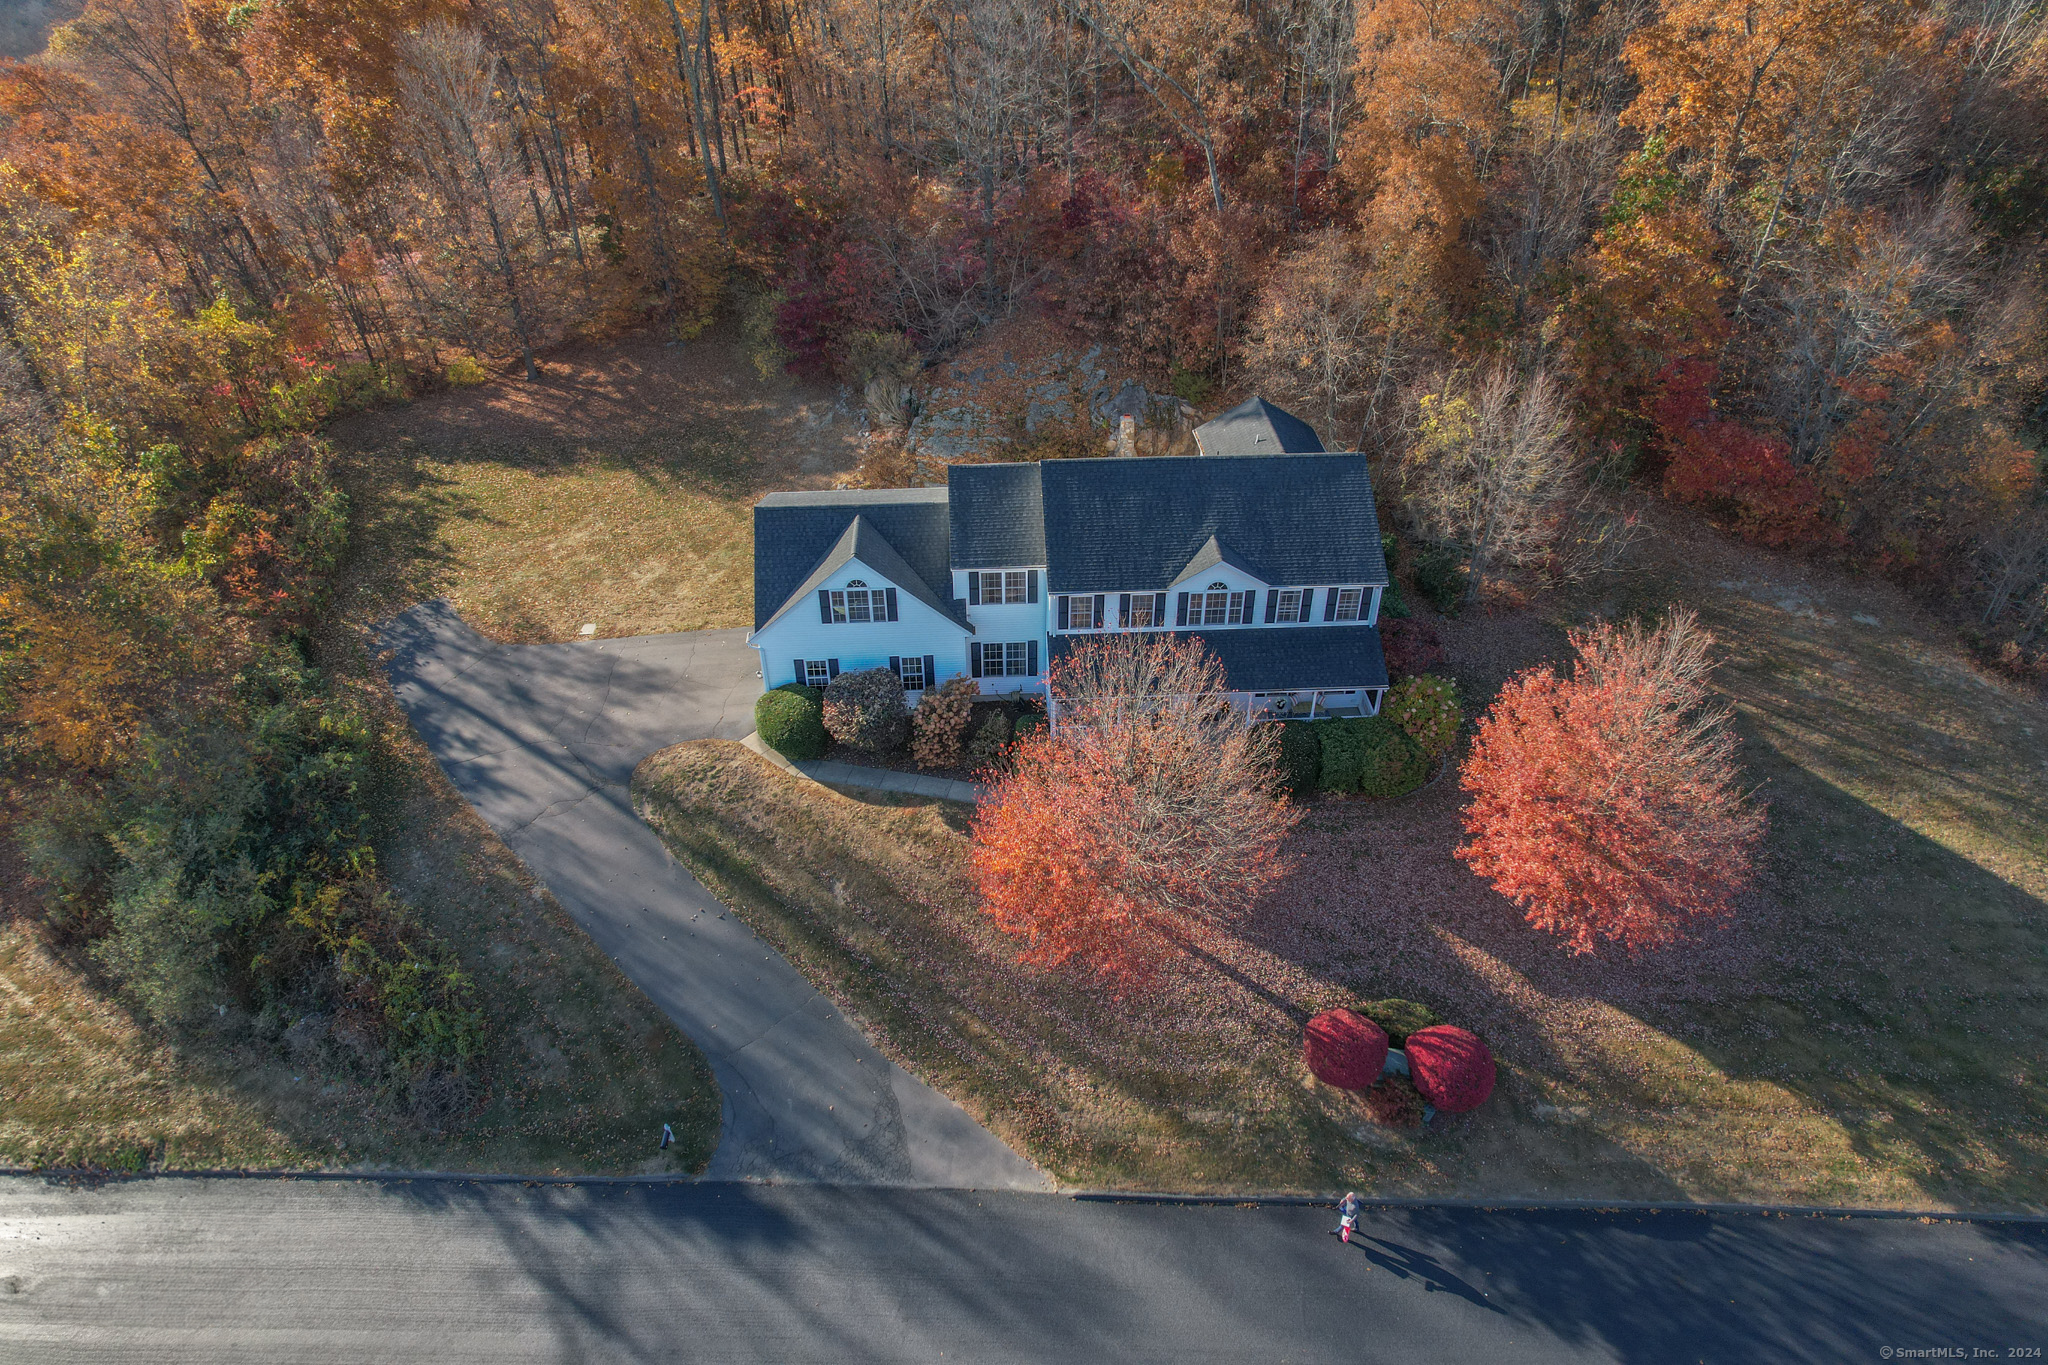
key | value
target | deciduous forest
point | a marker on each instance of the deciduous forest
(1781, 260)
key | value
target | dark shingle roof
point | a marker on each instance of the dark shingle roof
(1124, 525)
(998, 517)
(1292, 658)
(1256, 427)
(794, 533)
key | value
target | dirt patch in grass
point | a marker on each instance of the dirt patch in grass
(616, 491)
(1868, 1030)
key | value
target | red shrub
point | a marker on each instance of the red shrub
(1412, 647)
(1344, 1049)
(1451, 1067)
(1721, 463)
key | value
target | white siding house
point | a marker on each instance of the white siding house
(1265, 547)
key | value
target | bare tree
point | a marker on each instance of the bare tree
(446, 85)
(1493, 470)
(1310, 335)
(2012, 559)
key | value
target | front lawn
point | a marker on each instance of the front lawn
(1869, 1031)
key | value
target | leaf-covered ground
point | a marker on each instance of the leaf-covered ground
(1868, 1030)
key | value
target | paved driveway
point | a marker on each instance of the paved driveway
(543, 740)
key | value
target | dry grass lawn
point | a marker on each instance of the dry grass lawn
(1869, 1030)
(615, 492)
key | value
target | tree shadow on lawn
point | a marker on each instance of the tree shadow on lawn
(1855, 1035)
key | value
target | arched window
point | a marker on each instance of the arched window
(856, 583)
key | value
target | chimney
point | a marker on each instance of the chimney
(1127, 435)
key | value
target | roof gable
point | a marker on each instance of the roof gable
(1210, 556)
(862, 544)
(796, 534)
(1256, 427)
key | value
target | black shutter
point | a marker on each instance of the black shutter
(892, 603)
(931, 671)
(831, 668)
(974, 587)
(1180, 613)
(825, 606)
(1159, 609)
(896, 666)
(1123, 611)
(974, 659)
(801, 679)
(1031, 658)
(1308, 605)
(1063, 613)
(1330, 607)
(1272, 605)
(1101, 600)
(1031, 585)
(1251, 602)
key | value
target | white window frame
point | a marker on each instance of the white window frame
(1004, 587)
(822, 670)
(907, 663)
(1141, 606)
(1359, 603)
(1079, 605)
(1218, 605)
(998, 656)
(1289, 610)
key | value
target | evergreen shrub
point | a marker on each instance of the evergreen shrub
(1371, 756)
(791, 719)
(1301, 756)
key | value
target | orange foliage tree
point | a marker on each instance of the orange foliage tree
(1606, 804)
(1146, 816)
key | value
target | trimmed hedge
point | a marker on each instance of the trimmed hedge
(1399, 1018)
(1369, 755)
(791, 719)
(1451, 1067)
(1301, 756)
(1345, 1049)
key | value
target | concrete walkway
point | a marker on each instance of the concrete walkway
(543, 740)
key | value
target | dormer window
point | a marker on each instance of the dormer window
(1290, 605)
(1350, 604)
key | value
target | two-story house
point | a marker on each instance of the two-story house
(1265, 547)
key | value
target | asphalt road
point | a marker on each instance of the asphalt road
(170, 1269)
(543, 740)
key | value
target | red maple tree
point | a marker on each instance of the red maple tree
(1606, 805)
(1148, 813)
